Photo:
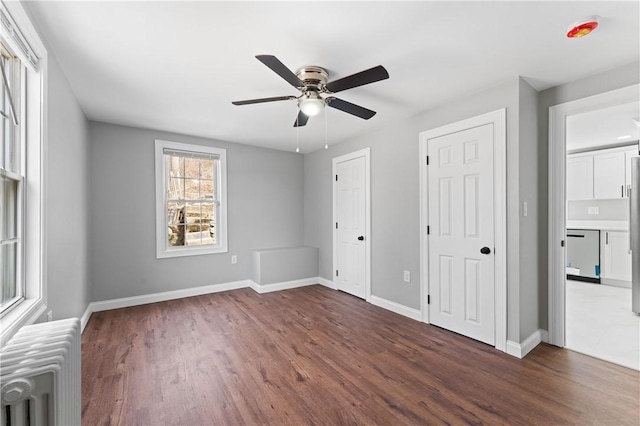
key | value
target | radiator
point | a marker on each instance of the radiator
(40, 375)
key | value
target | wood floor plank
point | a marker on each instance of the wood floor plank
(317, 356)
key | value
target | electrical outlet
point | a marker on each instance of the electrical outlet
(407, 276)
(50, 316)
(234, 259)
(593, 210)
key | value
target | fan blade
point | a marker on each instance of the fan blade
(261, 100)
(281, 69)
(301, 120)
(359, 79)
(350, 108)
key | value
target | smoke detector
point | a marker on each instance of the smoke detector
(583, 28)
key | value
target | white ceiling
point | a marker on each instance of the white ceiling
(607, 126)
(176, 66)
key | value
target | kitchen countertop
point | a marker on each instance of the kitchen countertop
(603, 225)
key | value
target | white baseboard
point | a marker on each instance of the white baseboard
(327, 283)
(520, 350)
(126, 302)
(396, 307)
(268, 288)
(85, 317)
(544, 336)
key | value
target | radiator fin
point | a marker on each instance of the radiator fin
(40, 375)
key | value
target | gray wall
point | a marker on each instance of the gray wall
(395, 241)
(67, 196)
(530, 263)
(265, 210)
(67, 189)
(617, 78)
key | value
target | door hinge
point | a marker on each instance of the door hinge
(562, 243)
(336, 272)
(336, 225)
(428, 230)
(427, 160)
(336, 178)
(428, 299)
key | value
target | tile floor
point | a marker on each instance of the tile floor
(600, 323)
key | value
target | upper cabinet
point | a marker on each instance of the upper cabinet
(603, 174)
(580, 177)
(608, 175)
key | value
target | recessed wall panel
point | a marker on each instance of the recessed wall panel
(445, 284)
(445, 196)
(471, 205)
(444, 156)
(472, 290)
(471, 152)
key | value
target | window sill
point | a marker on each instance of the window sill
(190, 251)
(25, 313)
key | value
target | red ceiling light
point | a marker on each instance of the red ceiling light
(583, 28)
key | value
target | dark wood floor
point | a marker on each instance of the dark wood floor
(317, 356)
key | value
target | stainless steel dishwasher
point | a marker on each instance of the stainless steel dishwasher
(583, 255)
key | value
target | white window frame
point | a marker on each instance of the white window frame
(33, 132)
(162, 249)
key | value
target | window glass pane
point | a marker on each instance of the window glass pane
(175, 190)
(191, 189)
(206, 189)
(175, 213)
(175, 166)
(193, 219)
(211, 211)
(9, 156)
(206, 169)
(192, 167)
(8, 271)
(8, 208)
(175, 235)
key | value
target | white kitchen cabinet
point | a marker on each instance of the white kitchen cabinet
(629, 154)
(609, 175)
(580, 177)
(617, 256)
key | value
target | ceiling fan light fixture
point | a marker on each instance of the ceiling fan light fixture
(311, 104)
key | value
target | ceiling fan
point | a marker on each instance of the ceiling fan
(312, 82)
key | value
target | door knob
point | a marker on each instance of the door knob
(485, 250)
(361, 238)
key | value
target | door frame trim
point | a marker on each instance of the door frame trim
(366, 153)
(499, 119)
(557, 196)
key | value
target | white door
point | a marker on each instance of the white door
(461, 237)
(350, 273)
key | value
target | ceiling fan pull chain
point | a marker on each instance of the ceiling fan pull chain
(326, 129)
(297, 133)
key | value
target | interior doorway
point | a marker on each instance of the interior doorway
(352, 223)
(463, 227)
(592, 141)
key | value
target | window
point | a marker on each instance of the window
(190, 200)
(11, 179)
(23, 106)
